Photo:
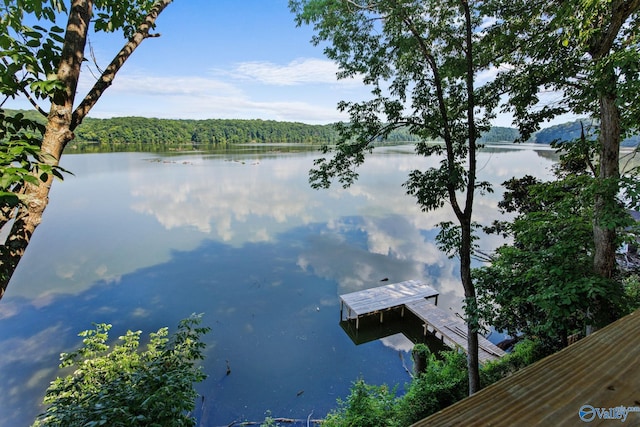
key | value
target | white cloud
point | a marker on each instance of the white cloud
(398, 342)
(297, 72)
(214, 105)
(41, 346)
(188, 85)
(303, 90)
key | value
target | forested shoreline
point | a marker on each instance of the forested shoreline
(198, 133)
(140, 130)
(142, 133)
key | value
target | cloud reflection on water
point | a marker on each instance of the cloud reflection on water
(233, 202)
(253, 199)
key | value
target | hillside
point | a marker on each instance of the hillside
(147, 133)
(141, 132)
(571, 131)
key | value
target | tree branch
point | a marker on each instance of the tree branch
(620, 11)
(369, 7)
(106, 79)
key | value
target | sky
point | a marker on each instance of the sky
(224, 59)
(230, 59)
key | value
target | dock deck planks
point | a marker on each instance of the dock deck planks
(452, 330)
(370, 301)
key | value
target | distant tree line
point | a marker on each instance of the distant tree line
(136, 130)
(149, 132)
(569, 131)
(143, 133)
(499, 134)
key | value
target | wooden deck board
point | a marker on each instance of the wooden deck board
(369, 301)
(453, 330)
(600, 370)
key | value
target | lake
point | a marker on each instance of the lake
(142, 240)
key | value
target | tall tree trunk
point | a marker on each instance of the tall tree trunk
(604, 262)
(471, 310)
(604, 237)
(473, 363)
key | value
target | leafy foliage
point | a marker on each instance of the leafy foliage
(499, 134)
(30, 53)
(542, 285)
(366, 406)
(631, 285)
(124, 387)
(43, 61)
(126, 16)
(564, 132)
(146, 131)
(523, 354)
(20, 158)
(443, 383)
(578, 50)
(30, 58)
(587, 53)
(141, 132)
(392, 45)
(421, 60)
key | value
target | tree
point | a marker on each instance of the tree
(421, 59)
(443, 383)
(542, 284)
(588, 53)
(45, 64)
(121, 386)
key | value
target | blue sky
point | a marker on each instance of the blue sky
(241, 59)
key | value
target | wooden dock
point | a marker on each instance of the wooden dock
(451, 330)
(384, 298)
(415, 296)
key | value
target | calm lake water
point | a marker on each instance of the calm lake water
(143, 240)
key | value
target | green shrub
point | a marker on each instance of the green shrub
(125, 387)
(444, 382)
(420, 355)
(631, 286)
(366, 406)
(523, 354)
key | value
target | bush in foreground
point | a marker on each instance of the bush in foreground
(125, 387)
(366, 406)
(442, 383)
